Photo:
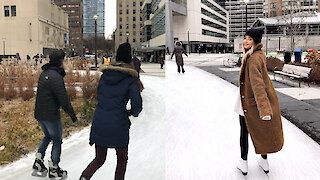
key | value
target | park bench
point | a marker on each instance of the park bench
(232, 61)
(294, 72)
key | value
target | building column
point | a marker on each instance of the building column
(169, 27)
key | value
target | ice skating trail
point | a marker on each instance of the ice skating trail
(146, 148)
(203, 134)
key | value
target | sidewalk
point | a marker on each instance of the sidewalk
(301, 106)
(152, 69)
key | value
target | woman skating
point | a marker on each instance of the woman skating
(111, 123)
(257, 105)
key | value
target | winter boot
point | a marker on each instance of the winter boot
(39, 169)
(243, 166)
(263, 163)
(56, 171)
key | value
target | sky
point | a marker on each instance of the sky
(110, 16)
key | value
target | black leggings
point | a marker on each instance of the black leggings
(244, 146)
(179, 70)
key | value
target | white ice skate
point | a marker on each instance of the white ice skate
(243, 166)
(39, 169)
(263, 163)
(55, 172)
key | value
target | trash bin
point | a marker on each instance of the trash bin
(287, 56)
(297, 55)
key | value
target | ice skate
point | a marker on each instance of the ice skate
(83, 178)
(263, 163)
(55, 172)
(243, 166)
(39, 169)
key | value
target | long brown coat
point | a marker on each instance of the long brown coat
(259, 99)
(178, 51)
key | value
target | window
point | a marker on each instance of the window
(127, 11)
(140, 3)
(120, 19)
(6, 11)
(134, 3)
(134, 26)
(120, 26)
(134, 11)
(13, 11)
(134, 40)
(127, 26)
(134, 18)
(120, 11)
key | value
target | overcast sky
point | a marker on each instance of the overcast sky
(110, 19)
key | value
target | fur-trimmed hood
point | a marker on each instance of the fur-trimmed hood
(247, 54)
(113, 74)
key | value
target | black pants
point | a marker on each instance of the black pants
(179, 69)
(244, 144)
(161, 66)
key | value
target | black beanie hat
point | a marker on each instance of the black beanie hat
(255, 34)
(124, 53)
(56, 57)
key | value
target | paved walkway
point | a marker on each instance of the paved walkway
(152, 69)
(301, 106)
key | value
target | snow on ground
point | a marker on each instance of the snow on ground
(204, 59)
(146, 152)
(203, 134)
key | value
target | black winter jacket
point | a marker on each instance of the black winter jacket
(52, 94)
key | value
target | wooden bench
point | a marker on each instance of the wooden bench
(294, 72)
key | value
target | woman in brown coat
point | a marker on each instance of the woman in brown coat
(257, 105)
(178, 51)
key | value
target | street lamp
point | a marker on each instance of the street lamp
(95, 17)
(127, 37)
(246, 1)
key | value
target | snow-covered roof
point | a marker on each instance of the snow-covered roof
(298, 18)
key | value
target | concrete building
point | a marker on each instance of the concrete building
(204, 26)
(278, 36)
(91, 8)
(75, 11)
(31, 27)
(129, 23)
(154, 29)
(283, 7)
(237, 16)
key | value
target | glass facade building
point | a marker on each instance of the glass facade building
(90, 8)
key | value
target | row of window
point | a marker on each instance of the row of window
(70, 5)
(127, 11)
(212, 24)
(134, 40)
(133, 19)
(214, 34)
(133, 3)
(134, 33)
(133, 26)
(7, 10)
(213, 7)
(213, 16)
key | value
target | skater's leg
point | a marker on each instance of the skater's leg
(179, 69)
(122, 159)
(45, 141)
(264, 156)
(244, 146)
(182, 69)
(98, 161)
(55, 131)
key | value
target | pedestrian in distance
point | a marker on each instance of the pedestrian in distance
(28, 58)
(161, 59)
(51, 95)
(257, 105)
(136, 64)
(111, 123)
(178, 51)
(36, 58)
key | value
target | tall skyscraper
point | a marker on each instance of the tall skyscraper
(91, 8)
(129, 23)
(75, 12)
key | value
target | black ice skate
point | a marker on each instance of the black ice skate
(55, 172)
(39, 169)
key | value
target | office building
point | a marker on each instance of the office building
(91, 8)
(74, 9)
(32, 27)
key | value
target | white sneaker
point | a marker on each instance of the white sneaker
(243, 166)
(263, 163)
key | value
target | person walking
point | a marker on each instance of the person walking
(111, 123)
(161, 60)
(257, 105)
(51, 95)
(136, 64)
(178, 51)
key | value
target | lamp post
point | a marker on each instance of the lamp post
(246, 1)
(127, 34)
(95, 17)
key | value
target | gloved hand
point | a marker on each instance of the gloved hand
(129, 113)
(74, 119)
(266, 118)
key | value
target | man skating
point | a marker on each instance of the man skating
(51, 95)
(178, 51)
